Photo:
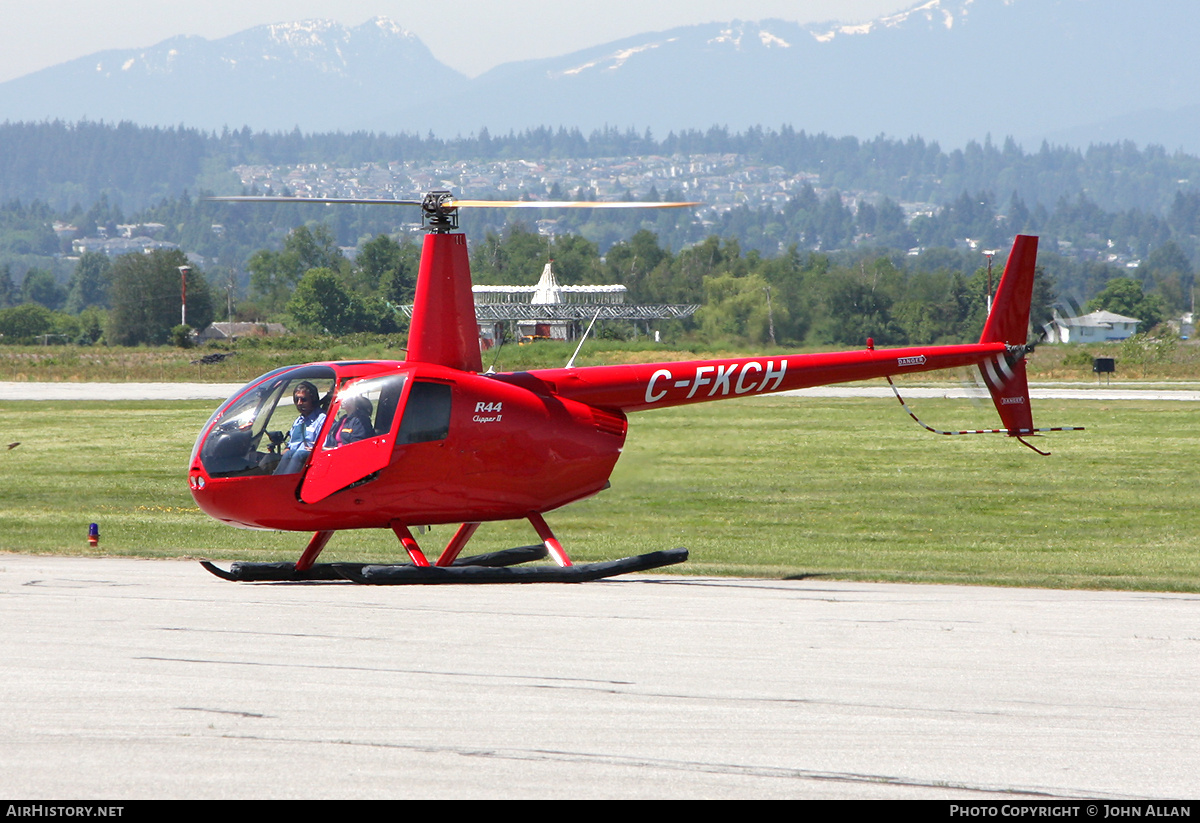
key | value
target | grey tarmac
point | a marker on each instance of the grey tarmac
(128, 679)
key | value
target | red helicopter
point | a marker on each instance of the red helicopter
(433, 439)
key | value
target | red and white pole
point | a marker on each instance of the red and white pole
(183, 273)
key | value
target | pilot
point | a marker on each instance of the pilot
(304, 431)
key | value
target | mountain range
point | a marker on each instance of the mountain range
(1067, 71)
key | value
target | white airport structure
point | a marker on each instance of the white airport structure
(552, 311)
(1097, 327)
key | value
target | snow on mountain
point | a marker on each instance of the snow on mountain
(315, 74)
(934, 11)
(947, 70)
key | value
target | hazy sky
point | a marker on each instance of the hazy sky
(468, 35)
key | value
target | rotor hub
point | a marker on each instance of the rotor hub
(441, 213)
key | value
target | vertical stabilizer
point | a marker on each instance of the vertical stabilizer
(444, 328)
(1009, 324)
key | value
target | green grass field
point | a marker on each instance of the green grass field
(763, 487)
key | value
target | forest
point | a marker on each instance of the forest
(797, 298)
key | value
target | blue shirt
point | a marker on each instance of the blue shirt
(305, 430)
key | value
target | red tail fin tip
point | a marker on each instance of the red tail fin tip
(1009, 320)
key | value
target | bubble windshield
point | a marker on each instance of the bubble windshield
(270, 427)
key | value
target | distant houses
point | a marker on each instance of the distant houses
(1097, 327)
(116, 246)
(231, 331)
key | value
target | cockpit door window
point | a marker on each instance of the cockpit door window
(360, 440)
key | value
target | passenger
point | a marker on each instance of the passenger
(355, 425)
(304, 431)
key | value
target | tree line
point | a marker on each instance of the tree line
(798, 297)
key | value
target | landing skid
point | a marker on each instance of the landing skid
(406, 574)
(241, 572)
(494, 567)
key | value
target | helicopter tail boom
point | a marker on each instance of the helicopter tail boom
(999, 355)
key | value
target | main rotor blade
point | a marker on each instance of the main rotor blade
(565, 204)
(270, 198)
(458, 204)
